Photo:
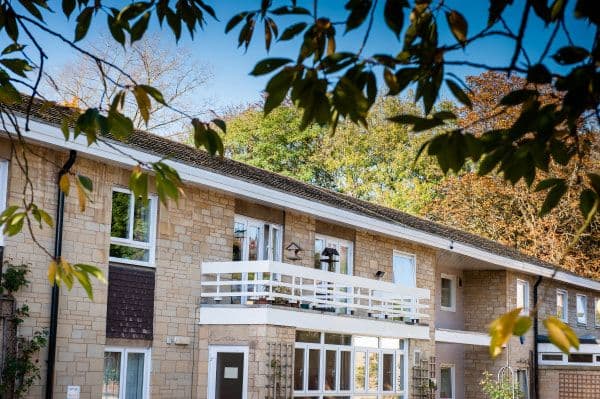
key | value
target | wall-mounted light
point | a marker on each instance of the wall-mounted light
(380, 274)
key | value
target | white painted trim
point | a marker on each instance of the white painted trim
(239, 315)
(452, 278)
(583, 348)
(585, 309)
(124, 350)
(452, 378)
(462, 337)
(50, 135)
(213, 350)
(525, 304)
(4, 165)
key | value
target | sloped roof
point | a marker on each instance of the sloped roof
(164, 147)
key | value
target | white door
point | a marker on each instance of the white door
(227, 372)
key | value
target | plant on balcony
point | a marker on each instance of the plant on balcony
(281, 301)
(499, 389)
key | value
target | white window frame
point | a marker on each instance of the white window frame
(274, 254)
(565, 295)
(124, 351)
(3, 190)
(565, 359)
(414, 265)
(452, 378)
(129, 242)
(596, 307)
(213, 351)
(525, 304)
(528, 387)
(329, 240)
(585, 310)
(452, 278)
(322, 347)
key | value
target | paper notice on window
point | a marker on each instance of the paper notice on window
(73, 391)
(231, 373)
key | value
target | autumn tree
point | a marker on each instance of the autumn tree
(485, 205)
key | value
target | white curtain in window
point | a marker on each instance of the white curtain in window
(404, 270)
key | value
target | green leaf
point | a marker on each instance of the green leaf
(547, 183)
(116, 29)
(553, 197)
(570, 55)
(11, 48)
(538, 73)
(517, 97)
(14, 224)
(221, 124)
(84, 19)
(496, 9)
(120, 126)
(292, 31)
(68, 6)
(359, 10)
(588, 199)
(235, 20)
(64, 127)
(277, 88)
(91, 270)
(393, 13)
(140, 27)
(154, 93)
(138, 183)
(7, 214)
(459, 93)
(287, 10)
(86, 182)
(269, 65)
(458, 25)
(522, 325)
(595, 181)
(16, 65)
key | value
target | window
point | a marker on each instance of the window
(256, 240)
(404, 266)
(562, 305)
(342, 263)
(523, 382)
(132, 229)
(581, 309)
(597, 312)
(581, 358)
(447, 381)
(552, 357)
(126, 373)
(448, 293)
(523, 296)
(333, 366)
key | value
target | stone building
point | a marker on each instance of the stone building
(255, 285)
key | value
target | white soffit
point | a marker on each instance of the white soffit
(239, 315)
(49, 135)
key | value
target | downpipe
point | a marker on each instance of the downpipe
(58, 233)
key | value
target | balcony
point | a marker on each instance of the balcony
(265, 292)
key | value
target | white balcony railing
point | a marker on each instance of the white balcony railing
(307, 288)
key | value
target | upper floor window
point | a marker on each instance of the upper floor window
(523, 296)
(132, 228)
(404, 267)
(448, 293)
(581, 309)
(333, 254)
(597, 311)
(562, 305)
(256, 240)
(3, 190)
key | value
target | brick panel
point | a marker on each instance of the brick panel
(130, 308)
(579, 386)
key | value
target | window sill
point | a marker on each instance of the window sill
(445, 309)
(132, 262)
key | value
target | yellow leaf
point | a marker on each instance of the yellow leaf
(501, 330)
(561, 335)
(65, 184)
(52, 272)
(82, 196)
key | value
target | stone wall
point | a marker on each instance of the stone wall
(569, 383)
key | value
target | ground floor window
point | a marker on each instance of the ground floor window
(343, 366)
(447, 381)
(126, 373)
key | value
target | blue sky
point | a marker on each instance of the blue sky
(232, 85)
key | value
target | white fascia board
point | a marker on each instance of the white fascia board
(50, 135)
(583, 348)
(240, 315)
(462, 337)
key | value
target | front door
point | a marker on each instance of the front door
(227, 372)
